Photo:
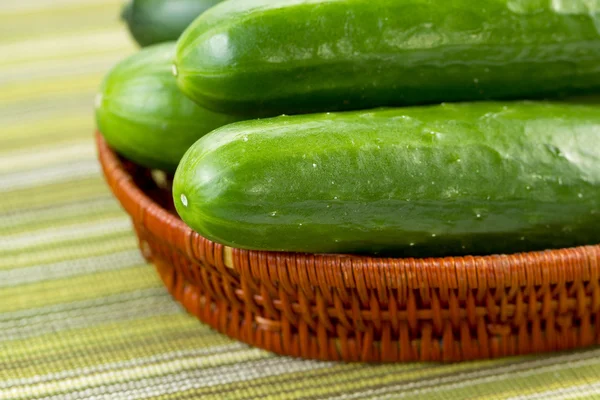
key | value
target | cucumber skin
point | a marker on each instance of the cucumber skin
(143, 115)
(451, 179)
(157, 21)
(268, 57)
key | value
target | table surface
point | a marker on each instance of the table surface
(82, 316)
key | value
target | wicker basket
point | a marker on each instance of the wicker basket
(336, 307)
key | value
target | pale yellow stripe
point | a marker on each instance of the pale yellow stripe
(64, 138)
(48, 196)
(134, 338)
(70, 268)
(67, 219)
(531, 381)
(41, 216)
(353, 382)
(158, 361)
(84, 191)
(203, 370)
(31, 322)
(60, 311)
(64, 45)
(77, 288)
(563, 390)
(353, 379)
(50, 175)
(195, 374)
(40, 328)
(12, 117)
(11, 7)
(94, 63)
(43, 24)
(594, 395)
(70, 250)
(53, 236)
(35, 157)
(43, 87)
(471, 378)
(54, 125)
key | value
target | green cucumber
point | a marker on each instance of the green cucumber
(450, 179)
(157, 21)
(269, 57)
(143, 115)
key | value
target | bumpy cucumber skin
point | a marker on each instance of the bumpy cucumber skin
(451, 179)
(143, 115)
(270, 57)
(158, 21)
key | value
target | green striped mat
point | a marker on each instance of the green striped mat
(82, 316)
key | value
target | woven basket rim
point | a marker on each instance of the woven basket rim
(481, 271)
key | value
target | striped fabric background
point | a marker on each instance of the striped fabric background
(81, 314)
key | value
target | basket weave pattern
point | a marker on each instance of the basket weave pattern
(335, 307)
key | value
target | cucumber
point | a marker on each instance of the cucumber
(450, 179)
(268, 57)
(157, 21)
(143, 115)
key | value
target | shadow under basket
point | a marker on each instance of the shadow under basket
(338, 307)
